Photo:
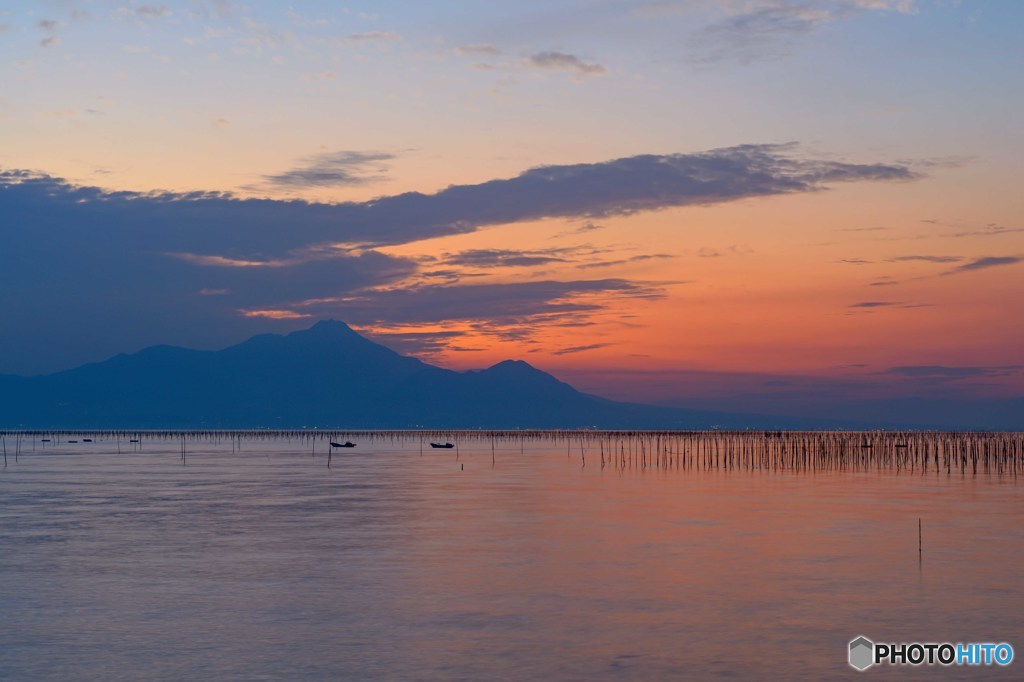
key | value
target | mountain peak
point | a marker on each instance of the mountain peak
(517, 371)
(327, 327)
(516, 365)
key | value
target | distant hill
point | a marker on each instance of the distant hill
(326, 376)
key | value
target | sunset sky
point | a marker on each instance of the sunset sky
(768, 201)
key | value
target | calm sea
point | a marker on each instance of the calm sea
(266, 565)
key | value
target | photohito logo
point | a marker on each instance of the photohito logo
(864, 653)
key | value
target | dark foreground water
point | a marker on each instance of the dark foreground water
(265, 564)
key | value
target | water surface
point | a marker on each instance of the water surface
(265, 564)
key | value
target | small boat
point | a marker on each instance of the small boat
(46, 440)
(87, 440)
(134, 440)
(346, 444)
(72, 441)
(445, 446)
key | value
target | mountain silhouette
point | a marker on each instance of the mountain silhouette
(327, 376)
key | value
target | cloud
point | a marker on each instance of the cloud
(49, 41)
(48, 25)
(494, 258)
(884, 283)
(580, 349)
(984, 263)
(560, 61)
(759, 30)
(990, 230)
(926, 259)
(421, 344)
(582, 229)
(492, 305)
(876, 228)
(762, 33)
(214, 9)
(153, 11)
(372, 37)
(866, 306)
(275, 314)
(331, 169)
(941, 373)
(854, 261)
(212, 222)
(123, 268)
(623, 261)
(874, 304)
(478, 50)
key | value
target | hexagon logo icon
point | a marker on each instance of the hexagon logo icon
(862, 653)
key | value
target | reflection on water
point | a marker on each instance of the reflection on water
(265, 564)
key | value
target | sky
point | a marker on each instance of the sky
(695, 202)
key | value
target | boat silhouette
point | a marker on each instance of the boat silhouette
(346, 444)
(445, 446)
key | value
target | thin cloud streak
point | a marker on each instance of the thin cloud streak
(984, 264)
(332, 169)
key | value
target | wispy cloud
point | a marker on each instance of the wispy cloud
(330, 169)
(942, 373)
(153, 11)
(888, 304)
(495, 305)
(419, 343)
(272, 314)
(875, 304)
(984, 264)
(582, 229)
(990, 230)
(495, 258)
(624, 261)
(561, 61)
(757, 30)
(926, 259)
(48, 26)
(478, 50)
(580, 349)
(372, 37)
